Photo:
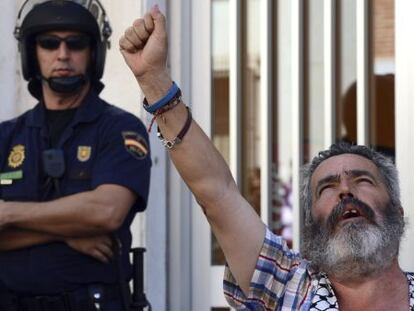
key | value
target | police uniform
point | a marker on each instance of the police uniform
(101, 145)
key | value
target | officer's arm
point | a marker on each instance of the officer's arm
(99, 247)
(15, 238)
(100, 211)
(237, 227)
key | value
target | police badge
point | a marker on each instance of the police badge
(17, 156)
(84, 153)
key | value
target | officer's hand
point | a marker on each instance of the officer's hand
(98, 247)
(3, 215)
(144, 45)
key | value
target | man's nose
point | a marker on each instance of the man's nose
(63, 51)
(345, 190)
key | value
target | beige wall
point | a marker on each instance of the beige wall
(384, 35)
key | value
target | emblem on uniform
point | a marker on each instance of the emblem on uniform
(135, 144)
(84, 153)
(17, 156)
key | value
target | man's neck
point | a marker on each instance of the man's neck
(386, 290)
(56, 101)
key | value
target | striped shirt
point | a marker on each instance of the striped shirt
(285, 281)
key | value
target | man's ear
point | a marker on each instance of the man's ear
(401, 211)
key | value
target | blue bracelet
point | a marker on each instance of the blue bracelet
(171, 94)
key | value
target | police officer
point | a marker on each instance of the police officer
(74, 170)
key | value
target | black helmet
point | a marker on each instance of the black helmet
(87, 16)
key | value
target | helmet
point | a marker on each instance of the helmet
(87, 16)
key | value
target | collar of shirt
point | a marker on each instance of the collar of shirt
(90, 108)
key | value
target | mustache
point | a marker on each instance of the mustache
(336, 215)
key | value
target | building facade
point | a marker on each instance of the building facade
(272, 82)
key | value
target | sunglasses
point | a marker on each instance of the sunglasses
(73, 43)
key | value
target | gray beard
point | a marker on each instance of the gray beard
(357, 249)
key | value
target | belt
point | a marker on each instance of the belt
(82, 299)
(8, 302)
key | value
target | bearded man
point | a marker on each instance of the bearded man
(354, 219)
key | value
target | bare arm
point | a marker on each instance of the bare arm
(99, 247)
(237, 227)
(15, 238)
(94, 212)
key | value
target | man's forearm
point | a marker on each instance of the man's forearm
(88, 213)
(15, 238)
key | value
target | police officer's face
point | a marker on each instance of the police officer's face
(62, 58)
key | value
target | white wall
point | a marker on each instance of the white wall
(180, 210)
(404, 113)
(7, 63)
(14, 98)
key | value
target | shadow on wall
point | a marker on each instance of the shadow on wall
(381, 115)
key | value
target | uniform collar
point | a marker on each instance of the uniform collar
(90, 108)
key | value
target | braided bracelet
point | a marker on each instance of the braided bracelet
(177, 140)
(159, 112)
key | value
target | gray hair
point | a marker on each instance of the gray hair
(385, 166)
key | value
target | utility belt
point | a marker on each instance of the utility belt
(88, 298)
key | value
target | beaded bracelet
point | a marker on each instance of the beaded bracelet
(164, 109)
(177, 140)
(173, 93)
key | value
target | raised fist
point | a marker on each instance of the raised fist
(144, 45)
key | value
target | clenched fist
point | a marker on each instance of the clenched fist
(144, 46)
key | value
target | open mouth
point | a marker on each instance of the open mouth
(351, 212)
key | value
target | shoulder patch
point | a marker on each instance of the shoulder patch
(135, 144)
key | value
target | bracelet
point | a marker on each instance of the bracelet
(177, 140)
(173, 93)
(164, 109)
